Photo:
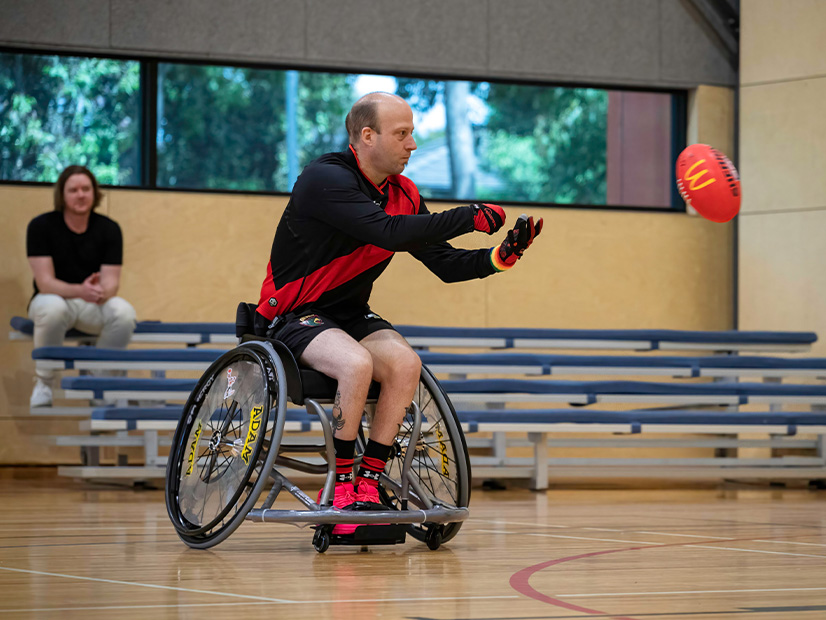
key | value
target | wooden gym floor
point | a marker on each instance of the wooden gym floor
(734, 551)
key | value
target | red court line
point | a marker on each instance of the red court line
(519, 580)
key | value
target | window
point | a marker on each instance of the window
(61, 110)
(246, 129)
(254, 129)
(509, 142)
(519, 143)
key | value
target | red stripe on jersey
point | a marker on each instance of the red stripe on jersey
(401, 189)
(267, 293)
(328, 277)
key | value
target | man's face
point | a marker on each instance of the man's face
(78, 194)
(394, 142)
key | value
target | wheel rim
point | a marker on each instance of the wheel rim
(440, 464)
(219, 464)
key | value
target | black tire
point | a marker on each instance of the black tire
(321, 540)
(225, 444)
(441, 464)
(433, 538)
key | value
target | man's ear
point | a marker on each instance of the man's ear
(367, 135)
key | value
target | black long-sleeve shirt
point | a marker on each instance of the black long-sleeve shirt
(340, 231)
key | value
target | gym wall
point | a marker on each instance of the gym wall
(782, 227)
(661, 43)
(193, 256)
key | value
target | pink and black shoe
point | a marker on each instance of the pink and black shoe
(366, 492)
(345, 495)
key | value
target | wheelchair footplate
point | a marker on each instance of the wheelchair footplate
(389, 534)
(364, 535)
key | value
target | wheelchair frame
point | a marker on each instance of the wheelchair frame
(421, 495)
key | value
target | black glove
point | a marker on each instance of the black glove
(516, 242)
(488, 218)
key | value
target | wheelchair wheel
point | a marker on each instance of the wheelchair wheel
(225, 444)
(441, 464)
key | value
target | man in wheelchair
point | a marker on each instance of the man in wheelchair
(348, 214)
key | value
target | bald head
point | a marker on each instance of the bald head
(367, 112)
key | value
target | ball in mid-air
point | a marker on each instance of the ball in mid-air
(709, 182)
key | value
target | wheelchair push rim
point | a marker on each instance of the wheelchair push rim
(222, 450)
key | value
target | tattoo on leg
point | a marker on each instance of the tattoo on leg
(408, 411)
(338, 415)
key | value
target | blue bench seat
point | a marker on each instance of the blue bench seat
(507, 391)
(426, 336)
(167, 417)
(637, 339)
(589, 392)
(476, 420)
(91, 358)
(784, 421)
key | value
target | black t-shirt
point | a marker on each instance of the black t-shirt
(75, 256)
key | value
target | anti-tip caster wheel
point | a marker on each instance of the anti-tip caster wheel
(433, 538)
(321, 540)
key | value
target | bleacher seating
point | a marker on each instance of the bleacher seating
(675, 404)
(90, 358)
(504, 391)
(501, 338)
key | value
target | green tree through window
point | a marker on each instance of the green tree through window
(530, 143)
(226, 127)
(61, 110)
(549, 143)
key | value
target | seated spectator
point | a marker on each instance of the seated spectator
(76, 257)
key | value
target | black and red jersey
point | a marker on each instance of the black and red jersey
(339, 232)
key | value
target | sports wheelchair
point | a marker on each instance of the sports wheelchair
(230, 444)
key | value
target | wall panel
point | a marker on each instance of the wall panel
(710, 110)
(783, 146)
(428, 35)
(782, 279)
(782, 240)
(239, 29)
(601, 41)
(74, 24)
(690, 48)
(782, 40)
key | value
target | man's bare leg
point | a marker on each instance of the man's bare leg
(398, 368)
(340, 357)
(337, 355)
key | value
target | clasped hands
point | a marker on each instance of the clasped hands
(91, 289)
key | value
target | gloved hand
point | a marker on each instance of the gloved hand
(488, 218)
(517, 241)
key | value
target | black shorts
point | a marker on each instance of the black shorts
(297, 330)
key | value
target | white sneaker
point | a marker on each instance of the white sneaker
(41, 395)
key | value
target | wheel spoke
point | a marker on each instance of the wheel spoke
(212, 499)
(439, 463)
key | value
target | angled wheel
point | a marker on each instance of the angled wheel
(441, 464)
(433, 538)
(225, 444)
(321, 539)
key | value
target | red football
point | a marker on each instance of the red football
(709, 182)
